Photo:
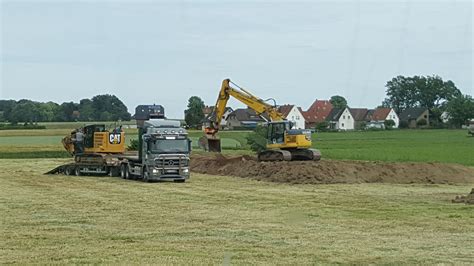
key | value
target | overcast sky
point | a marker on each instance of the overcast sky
(164, 52)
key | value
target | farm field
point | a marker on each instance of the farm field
(448, 146)
(221, 220)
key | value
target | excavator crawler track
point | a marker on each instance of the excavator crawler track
(290, 155)
(305, 155)
(274, 155)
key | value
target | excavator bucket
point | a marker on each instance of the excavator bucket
(210, 144)
(214, 145)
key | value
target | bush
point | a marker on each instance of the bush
(133, 145)
(362, 126)
(257, 140)
(322, 126)
(16, 126)
(403, 124)
(421, 122)
(389, 124)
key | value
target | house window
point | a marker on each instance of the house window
(292, 117)
(297, 117)
(342, 125)
(343, 117)
(348, 117)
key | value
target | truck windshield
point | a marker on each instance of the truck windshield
(168, 145)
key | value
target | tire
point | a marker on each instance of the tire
(127, 173)
(77, 171)
(179, 180)
(68, 170)
(145, 175)
(123, 169)
(113, 171)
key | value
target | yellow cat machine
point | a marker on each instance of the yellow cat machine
(283, 142)
(163, 149)
(102, 151)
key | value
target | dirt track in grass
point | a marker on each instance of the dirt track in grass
(333, 171)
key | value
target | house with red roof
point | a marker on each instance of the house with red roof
(293, 114)
(318, 112)
(377, 117)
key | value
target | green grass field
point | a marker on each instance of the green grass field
(450, 146)
(220, 220)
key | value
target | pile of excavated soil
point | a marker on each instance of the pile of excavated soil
(333, 171)
(469, 199)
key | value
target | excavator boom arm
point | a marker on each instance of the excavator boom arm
(253, 102)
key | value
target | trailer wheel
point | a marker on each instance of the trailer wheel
(77, 171)
(67, 170)
(122, 171)
(127, 172)
(114, 171)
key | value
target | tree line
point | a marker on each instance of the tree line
(430, 92)
(99, 108)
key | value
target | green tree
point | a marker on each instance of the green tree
(460, 110)
(419, 91)
(257, 140)
(322, 126)
(6, 106)
(421, 122)
(194, 114)
(65, 112)
(86, 110)
(24, 111)
(338, 102)
(47, 111)
(389, 124)
(109, 107)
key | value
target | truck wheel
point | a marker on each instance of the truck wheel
(146, 175)
(77, 171)
(67, 170)
(179, 180)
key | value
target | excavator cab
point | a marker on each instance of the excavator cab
(89, 134)
(276, 132)
(281, 135)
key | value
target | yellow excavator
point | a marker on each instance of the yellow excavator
(283, 142)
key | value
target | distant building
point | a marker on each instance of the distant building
(293, 114)
(341, 119)
(210, 115)
(244, 119)
(413, 116)
(445, 117)
(207, 110)
(316, 113)
(377, 117)
(360, 117)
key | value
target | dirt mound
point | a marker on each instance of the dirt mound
(333, 171)
(469, 199)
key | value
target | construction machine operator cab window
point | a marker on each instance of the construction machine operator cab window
(276, 132)
(89, 134)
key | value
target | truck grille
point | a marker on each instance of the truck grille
(167, 162)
